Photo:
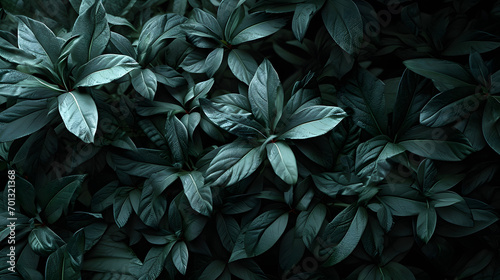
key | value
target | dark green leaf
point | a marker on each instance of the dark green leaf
(344, 23)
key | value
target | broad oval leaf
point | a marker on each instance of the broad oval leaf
(79, 114)
(242, 64)
(283, 161)
(344, 23)
(255, 26)
(180, 256)
(198, 194)
(144, 82)
(233, 163)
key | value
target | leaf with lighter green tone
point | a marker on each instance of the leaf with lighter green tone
(79, 114)
(44, 241)
(242, 64)
(198, 194)
(283, 161)
(93, 29)
(309, 223)
(233, 163)
(104, 69)
(144, 82)
(311, 122)
(255, 26)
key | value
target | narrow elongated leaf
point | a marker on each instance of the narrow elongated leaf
(79, 114)
(242, 65)
(93, 29)
(213, 269)
(303, 15)
(24, 118)
(478, 68)
(344, 23)
(311, 122)
(447, 74)
(122, 206)
(104, 69)
(365, 95)
(283, 161)
(228, 230)
(451, 145)
(265, 231)
(155, 261)
(177, 138)
(234, 119)
(450, 106)
(153, 204)
(344, 248)
(198, 194)
(180, 255)
(409, 101)
(263, 93)
(37, 39)
(144, 82)
(233, 163)
(255, 26)
(426, 224)
(309, 223)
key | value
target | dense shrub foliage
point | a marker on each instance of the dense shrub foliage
(271, 139)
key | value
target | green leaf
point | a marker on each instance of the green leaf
(44, 241)
(14, 83)
(93, 29)
(228, 230)
(242, 64)
(191, 122)
(177, 138)
(79, 114)
(409, 101)
(213, 269)
(291, 249)
(426, 224)
(38, 40)
(255, 26)
(372, 158)
(24, 118)
(309, 223)
(180, 255)
(344, 23)
(449, 106)
(491, 123)
(354, 226)
(263, 94)
(302, 17)
(104, 69)
(402, 206)
(198, 194)
(478, 68)
(283, 161)
(445, 74)
(153, 204)
(197, 62)
(122, 205)
(233, 118)
(365, 95)
(144, 82)
(449, 145)
(155, 33)
(233, 163)
(155, 261)
(311, 122)
(58, 195)
(208, 21)
(265, 231)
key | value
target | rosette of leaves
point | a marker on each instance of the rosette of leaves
(50, 75)
(264, 122)
(232, 26)
(468, 98)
